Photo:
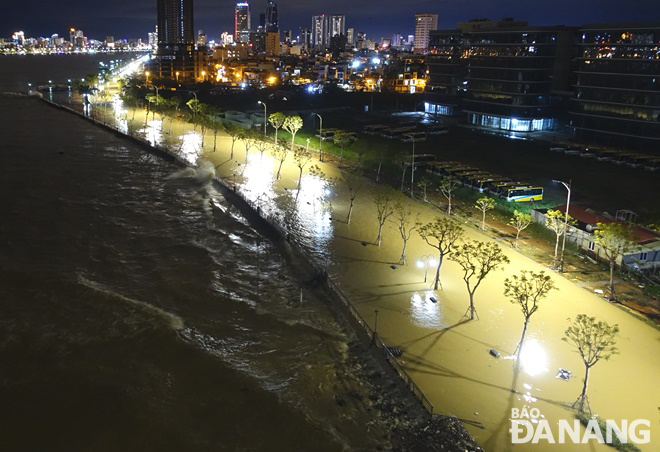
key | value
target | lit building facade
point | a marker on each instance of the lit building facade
(446, 80)
(175, 54)
(512, 75)
(617, 91)
(325, 27)
(241, 20)
(424, 23)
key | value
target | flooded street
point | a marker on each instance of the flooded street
(447, 356)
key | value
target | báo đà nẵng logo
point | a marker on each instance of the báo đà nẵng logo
(527, 426)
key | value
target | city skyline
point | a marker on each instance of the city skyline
(134, 19)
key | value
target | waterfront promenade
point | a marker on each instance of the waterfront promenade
(446, 355)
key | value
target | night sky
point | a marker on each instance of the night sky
(378, 18)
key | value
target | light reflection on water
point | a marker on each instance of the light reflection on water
(533, 358)
(191, 145)
(426, 313)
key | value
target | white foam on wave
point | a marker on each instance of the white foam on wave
(175, 322)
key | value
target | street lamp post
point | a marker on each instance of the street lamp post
(425, 262)
(320, 137)
(563, 243)
(265, 117)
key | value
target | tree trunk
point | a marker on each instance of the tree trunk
(403, 253)
(472, 310)
(583, 396)
(522, 338)
(403, 177)
(380, 164)
(437, 273)
(449, 205)
(350, 211)
(380, 234)
(483, 221)
(556, 260)
(215, 139)
(300, 179)
(278, 170)
(341, 155)
(231, 155)
(425, 199)
(612, 265)
(276, 136)
(517, 236)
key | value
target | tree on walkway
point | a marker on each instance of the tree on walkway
(250, 138)
(615, 239)
(234, 133)
(384, 209)
(447, 187)
(442, 234)
(344, 140)
(301, 157)
(354, 182)
(485, 204)
(103, 96)
(216, 126)
(193, 105)
(403, 162)
(277, 120)
(262, 145)
(478, 259)
(293, 124)
(527, 291)
(519, 222)
(424, 183)
(280, 152)
(406, 223)
(593, 341)
(556, 222)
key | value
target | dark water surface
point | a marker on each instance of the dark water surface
(139, 311)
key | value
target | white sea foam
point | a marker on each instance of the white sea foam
(173, 320)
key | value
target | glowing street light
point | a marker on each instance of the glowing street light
(425, 262)
(147, 73)
(265, 117)
(177, 77)
(563, 243)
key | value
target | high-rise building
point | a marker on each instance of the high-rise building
(617, 92)
(306, 38)
(337, 26)
(424, 23)
(325, 27)
(272, 44)
(202, 39)
(226, 38)
(241, 20)
(176, 40)
(350, 37)
(272, 21)
(319, 31)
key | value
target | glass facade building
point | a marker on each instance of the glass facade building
(175, 54)
(501, 78)
(513, 74)
(617, 86)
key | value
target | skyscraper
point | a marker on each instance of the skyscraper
(175, 23)
(241, 19)
(424, 23)
(324, 28)
(175, 56)
(272, 21)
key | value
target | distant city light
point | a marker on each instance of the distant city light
(375, 60)
(355, 64)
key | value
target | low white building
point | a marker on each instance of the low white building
(645, 255)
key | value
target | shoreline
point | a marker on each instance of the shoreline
(413, 426)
